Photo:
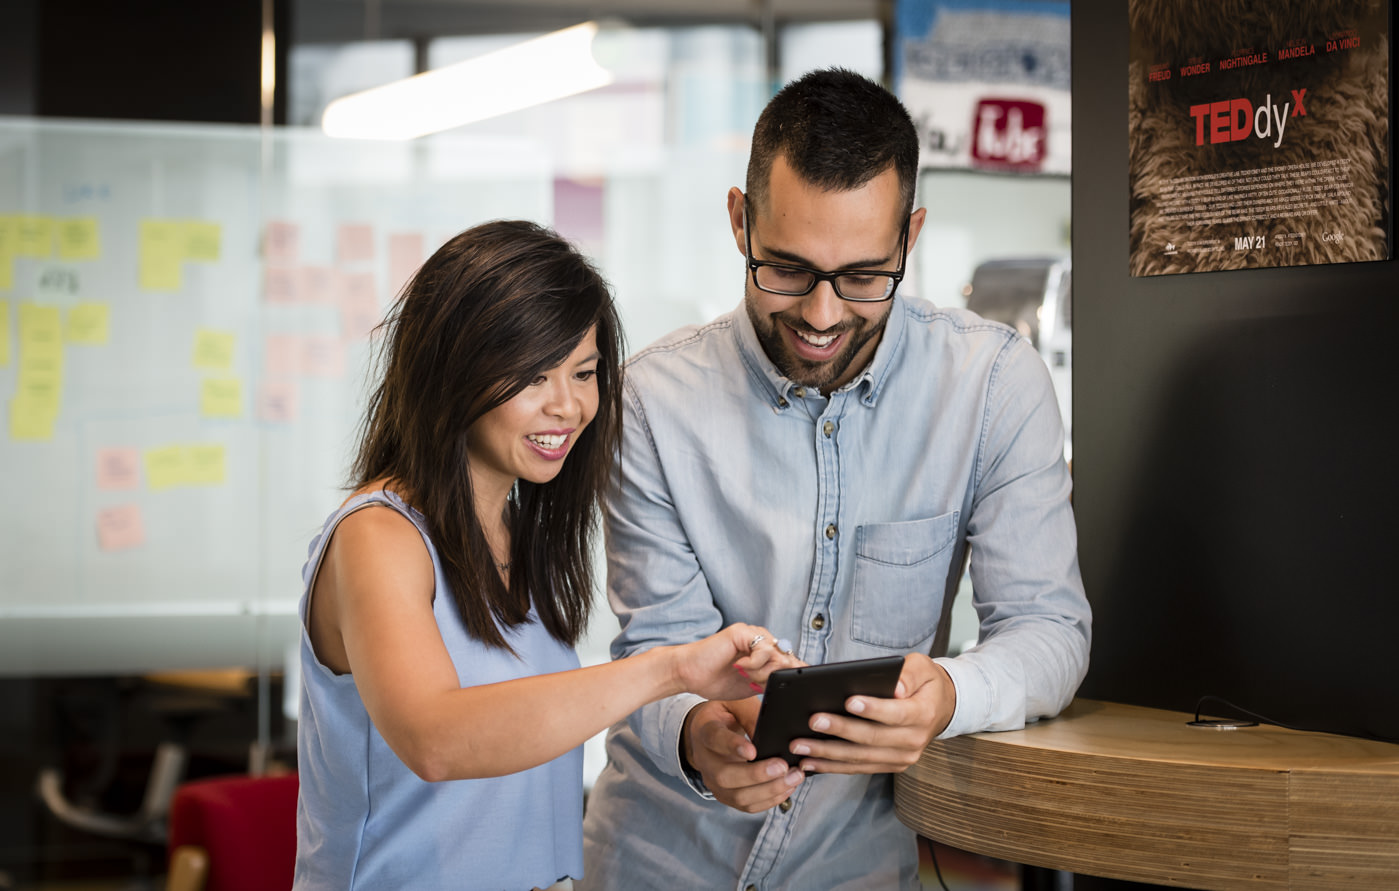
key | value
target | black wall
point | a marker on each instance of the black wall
(1235, 456)
(17, 39)
(159, 60)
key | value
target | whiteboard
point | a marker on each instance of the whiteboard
(168, 460)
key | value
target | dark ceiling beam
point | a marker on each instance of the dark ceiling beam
(341, 21)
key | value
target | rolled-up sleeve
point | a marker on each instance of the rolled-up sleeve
(1035, 619)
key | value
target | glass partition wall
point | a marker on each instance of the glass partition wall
(186, 318)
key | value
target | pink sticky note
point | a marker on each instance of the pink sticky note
(354, 243)
(359, 305)
(281, 242)
(280, 284)
(278, 400)
(323, 356)
(118, 468)
(405, 256)
(283, 355)
(120, 527)
(578, 210)
(317, 284)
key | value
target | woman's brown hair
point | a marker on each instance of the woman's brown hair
(493, 308)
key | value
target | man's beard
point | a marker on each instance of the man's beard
(821, 375)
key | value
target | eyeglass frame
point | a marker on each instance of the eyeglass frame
(817, 276)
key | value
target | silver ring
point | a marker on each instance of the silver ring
(755, 641)
(784, 646)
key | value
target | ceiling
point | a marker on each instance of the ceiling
(338, 21)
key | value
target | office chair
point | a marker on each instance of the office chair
(179, 700)
(233, 833)
(147, 824)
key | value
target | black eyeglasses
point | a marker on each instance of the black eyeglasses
(855, 285)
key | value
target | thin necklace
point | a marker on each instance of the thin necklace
(503, 567)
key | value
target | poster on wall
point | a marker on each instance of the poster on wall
(1258, 137)
(987, 83)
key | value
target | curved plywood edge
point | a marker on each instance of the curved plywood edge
(1135, 793)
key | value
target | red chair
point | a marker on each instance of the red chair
(233, 833)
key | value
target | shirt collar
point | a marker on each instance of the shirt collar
(776, 389)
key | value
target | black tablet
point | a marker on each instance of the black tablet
(793, 695)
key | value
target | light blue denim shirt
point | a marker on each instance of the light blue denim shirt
(839, 523)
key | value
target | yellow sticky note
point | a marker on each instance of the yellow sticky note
(221, 397)
(33, 236)
(40, 347)
(35, 407)
(39, 390)
(40, 330)
(213, 349)
(208, 465)
(41, 370)
(167, 467)
(89, 323)
(7, 252)
(162, 249)
(202, 240)
(4, 333)
(78, 238)
(30, 421)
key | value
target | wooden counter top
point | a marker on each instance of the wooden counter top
(1136, 793)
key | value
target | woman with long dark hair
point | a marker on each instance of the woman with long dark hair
(442, 707)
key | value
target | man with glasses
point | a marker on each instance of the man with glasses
(821, 461)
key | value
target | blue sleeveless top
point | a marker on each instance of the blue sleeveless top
(364, 820)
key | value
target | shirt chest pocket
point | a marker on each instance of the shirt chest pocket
(900, 577)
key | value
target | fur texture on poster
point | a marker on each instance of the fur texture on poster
(1214, 48)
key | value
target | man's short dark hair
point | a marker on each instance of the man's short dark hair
(838, 130)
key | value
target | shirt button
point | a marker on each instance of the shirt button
(828, 428)
(799, 392)
(751, 888)
(782, 402)
(819, 622)
(831, 530)
(785, 806)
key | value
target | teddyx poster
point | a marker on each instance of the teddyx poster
(1259, 134)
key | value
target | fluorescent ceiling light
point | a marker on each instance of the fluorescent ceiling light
(530, 73)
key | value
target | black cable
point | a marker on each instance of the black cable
(1238, 708)
(1224, 723)
(932, 853)
(1205, 722)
